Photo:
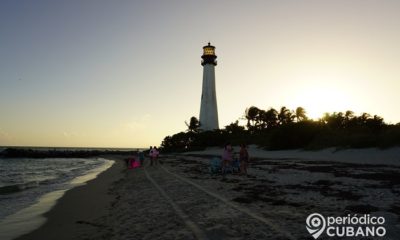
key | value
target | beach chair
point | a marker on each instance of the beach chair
(215, 165)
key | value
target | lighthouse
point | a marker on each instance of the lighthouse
(208, 107)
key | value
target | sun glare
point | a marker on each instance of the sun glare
(318, 100)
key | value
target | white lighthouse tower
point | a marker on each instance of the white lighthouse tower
(208, 108)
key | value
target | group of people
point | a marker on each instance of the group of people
(138, 158)
(227, 158)
(153, 154)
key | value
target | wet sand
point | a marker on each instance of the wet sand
(73, 215)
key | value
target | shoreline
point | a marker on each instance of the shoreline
(71, 206)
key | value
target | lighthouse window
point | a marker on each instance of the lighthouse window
(208, 51)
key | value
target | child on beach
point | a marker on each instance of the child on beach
(227, 157)
(155, 155)
(151, 155)
(244, 159)
(133, 162)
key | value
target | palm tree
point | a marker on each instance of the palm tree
(335, 120)
(260, 123)
(364, 117)
(193, 125)
(349, 114)
(270, 117)
(251, 116)
(348, 119)
(300, 114)
(375, 123)
(285, 116)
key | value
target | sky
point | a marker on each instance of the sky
(127, 73)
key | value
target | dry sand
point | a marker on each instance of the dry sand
(372, 156)
(180, 197)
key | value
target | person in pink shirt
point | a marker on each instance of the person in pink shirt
(227, 157)
(151, 155)
(156, 153)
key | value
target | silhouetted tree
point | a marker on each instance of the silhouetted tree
(234, 128)
(349, 115)
(363, 118)
(334, 120)
(285, 116)
(270, 118)
(300, 114)
(348, 121)
(251, 116)
(177, 142)
(291, 129)
(375, 123)
(193, 125)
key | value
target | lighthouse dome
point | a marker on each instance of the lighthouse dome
(209, 50)
(209, 56)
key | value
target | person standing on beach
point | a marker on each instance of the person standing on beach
(156, 153)
(151, 155)
(227, 157)
(244, 159)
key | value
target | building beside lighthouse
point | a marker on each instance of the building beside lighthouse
(208, 109)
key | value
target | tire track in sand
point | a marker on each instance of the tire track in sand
(235, 206)
(194, 227)
(197, 231)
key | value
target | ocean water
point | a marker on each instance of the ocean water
(24, 181)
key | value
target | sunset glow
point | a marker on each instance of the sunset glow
(318, 101)
(121, 75)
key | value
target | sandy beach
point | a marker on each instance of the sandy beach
(180, 199)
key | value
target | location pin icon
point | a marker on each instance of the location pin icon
(315, 224)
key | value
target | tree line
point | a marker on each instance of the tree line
(290, 129)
